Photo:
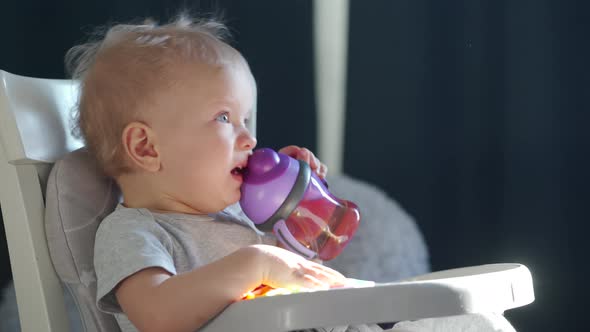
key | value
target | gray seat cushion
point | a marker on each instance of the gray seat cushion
(77, 199)
(388, 245)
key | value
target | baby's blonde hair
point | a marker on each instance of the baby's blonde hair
(123, 70)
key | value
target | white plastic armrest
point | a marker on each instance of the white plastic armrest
(479, 289)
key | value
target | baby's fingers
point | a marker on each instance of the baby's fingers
(322, 171)
(312, 282)
(291, 151)
(328, 275)
(308, 156)
(314, 163)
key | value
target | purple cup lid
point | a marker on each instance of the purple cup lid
(268, 180)
(265, 165)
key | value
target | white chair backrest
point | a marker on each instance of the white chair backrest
(34, 132)
(35, 118)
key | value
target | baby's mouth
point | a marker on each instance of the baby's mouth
(238, 170)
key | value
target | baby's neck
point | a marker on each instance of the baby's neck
(139, 192)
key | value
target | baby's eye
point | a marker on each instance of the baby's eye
(224, 117)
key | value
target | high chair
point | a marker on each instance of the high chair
(35, 134)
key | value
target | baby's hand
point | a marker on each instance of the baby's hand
(304, 154)
(284, 269)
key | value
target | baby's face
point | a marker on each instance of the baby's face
(202, 136)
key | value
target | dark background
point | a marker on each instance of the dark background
(472, 114)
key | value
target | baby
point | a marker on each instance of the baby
(164, 110)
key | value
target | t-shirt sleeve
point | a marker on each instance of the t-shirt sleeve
(126, 243)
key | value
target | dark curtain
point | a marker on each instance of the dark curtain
(474, 115)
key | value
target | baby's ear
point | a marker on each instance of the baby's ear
(139, 141)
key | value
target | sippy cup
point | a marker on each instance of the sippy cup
(282, 195)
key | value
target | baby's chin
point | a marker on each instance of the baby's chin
(235, 198)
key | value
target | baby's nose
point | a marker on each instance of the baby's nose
(249, 142)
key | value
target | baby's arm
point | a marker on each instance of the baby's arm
(155, 300)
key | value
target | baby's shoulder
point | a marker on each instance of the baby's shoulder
(124, 213)
(125, 220)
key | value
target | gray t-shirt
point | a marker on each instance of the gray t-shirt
(130, 240)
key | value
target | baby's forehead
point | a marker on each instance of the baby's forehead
(230, 81)
(214, 79)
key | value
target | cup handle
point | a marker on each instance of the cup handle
(288, 240)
